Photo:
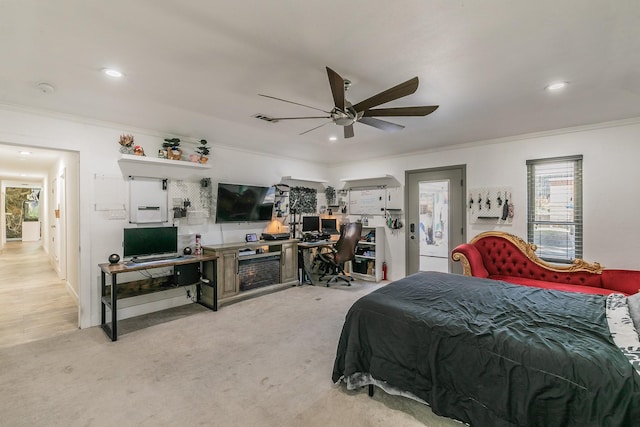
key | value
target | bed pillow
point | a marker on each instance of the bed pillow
(633, 301)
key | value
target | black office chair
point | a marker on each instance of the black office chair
(332, 262)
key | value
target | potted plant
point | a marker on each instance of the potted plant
(126, 144)
(330, 194)
(203, 151)
(172, 145)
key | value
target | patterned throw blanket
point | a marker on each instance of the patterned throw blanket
(622, 329)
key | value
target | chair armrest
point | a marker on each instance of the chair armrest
(327, 256)
(471, 260)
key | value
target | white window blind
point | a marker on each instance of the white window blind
(554, 212)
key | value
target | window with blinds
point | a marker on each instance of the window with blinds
(554, 211)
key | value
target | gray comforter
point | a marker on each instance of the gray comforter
(490, 353)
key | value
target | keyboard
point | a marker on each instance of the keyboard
(155, 259)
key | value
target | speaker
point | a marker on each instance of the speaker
(186, 250)
(114, 258)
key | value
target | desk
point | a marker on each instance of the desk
(125, 267)
(304, 250)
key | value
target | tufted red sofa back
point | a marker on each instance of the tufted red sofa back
(503, 258)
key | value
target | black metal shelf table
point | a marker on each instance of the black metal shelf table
(305, 263)
(111, 301)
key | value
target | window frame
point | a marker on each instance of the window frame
(578, 206)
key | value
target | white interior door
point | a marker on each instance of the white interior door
(435, 200)
(3, 221)
(61, 229)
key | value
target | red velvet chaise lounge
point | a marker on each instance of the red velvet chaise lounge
(502, 256)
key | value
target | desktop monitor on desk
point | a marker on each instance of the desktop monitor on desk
(311, 224)
(329, 226)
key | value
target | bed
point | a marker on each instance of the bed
(494, 354)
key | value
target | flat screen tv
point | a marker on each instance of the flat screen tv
(143, 241)
(244, 203)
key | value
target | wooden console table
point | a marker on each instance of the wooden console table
(229, 259)
(208, 274)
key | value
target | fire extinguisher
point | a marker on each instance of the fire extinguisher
(384, 271)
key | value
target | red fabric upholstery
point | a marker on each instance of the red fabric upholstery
(625, 281)
(502, 258)
(553, 285)
(495, 256)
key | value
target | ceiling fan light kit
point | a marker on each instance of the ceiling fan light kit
(346, 114)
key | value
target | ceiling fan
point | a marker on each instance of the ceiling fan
(346, 114)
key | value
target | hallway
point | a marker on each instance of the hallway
(34, 303)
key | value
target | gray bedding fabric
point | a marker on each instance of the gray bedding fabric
(634, 309)
(491, 353)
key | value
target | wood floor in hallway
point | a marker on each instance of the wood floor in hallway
(34, 302)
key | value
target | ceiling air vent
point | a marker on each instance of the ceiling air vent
(266, 118)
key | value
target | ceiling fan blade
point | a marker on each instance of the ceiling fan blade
(403, 89)
(337, 88)
(401, 111)
(296, 103)
(307, 131)
(348, 131)
(380, 124)
(299, 118)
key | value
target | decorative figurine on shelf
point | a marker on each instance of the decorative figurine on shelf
(126, 144)
(198, 245)
(172, 145)
(203, 151)
(138, 150)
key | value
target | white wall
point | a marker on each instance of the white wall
(611, 173)
(97, 147)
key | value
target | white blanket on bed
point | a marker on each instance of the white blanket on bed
(622, 328)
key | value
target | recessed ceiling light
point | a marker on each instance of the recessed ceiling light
(112, 72)
(333, 138)
(553, 87)
(46, 87)
(25, 153)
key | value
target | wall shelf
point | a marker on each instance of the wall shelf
(153, 167)
(385, 180)
(318, 184)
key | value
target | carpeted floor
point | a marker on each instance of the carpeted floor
(261, 362)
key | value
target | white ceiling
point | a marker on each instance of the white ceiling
(195, 67)
(26, 166)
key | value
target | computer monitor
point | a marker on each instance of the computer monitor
(329, 225)
(310, 223)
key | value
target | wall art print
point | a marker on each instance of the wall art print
(303, 200)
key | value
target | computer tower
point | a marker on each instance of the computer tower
(187, 274)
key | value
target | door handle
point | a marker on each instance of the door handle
(412, 229)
